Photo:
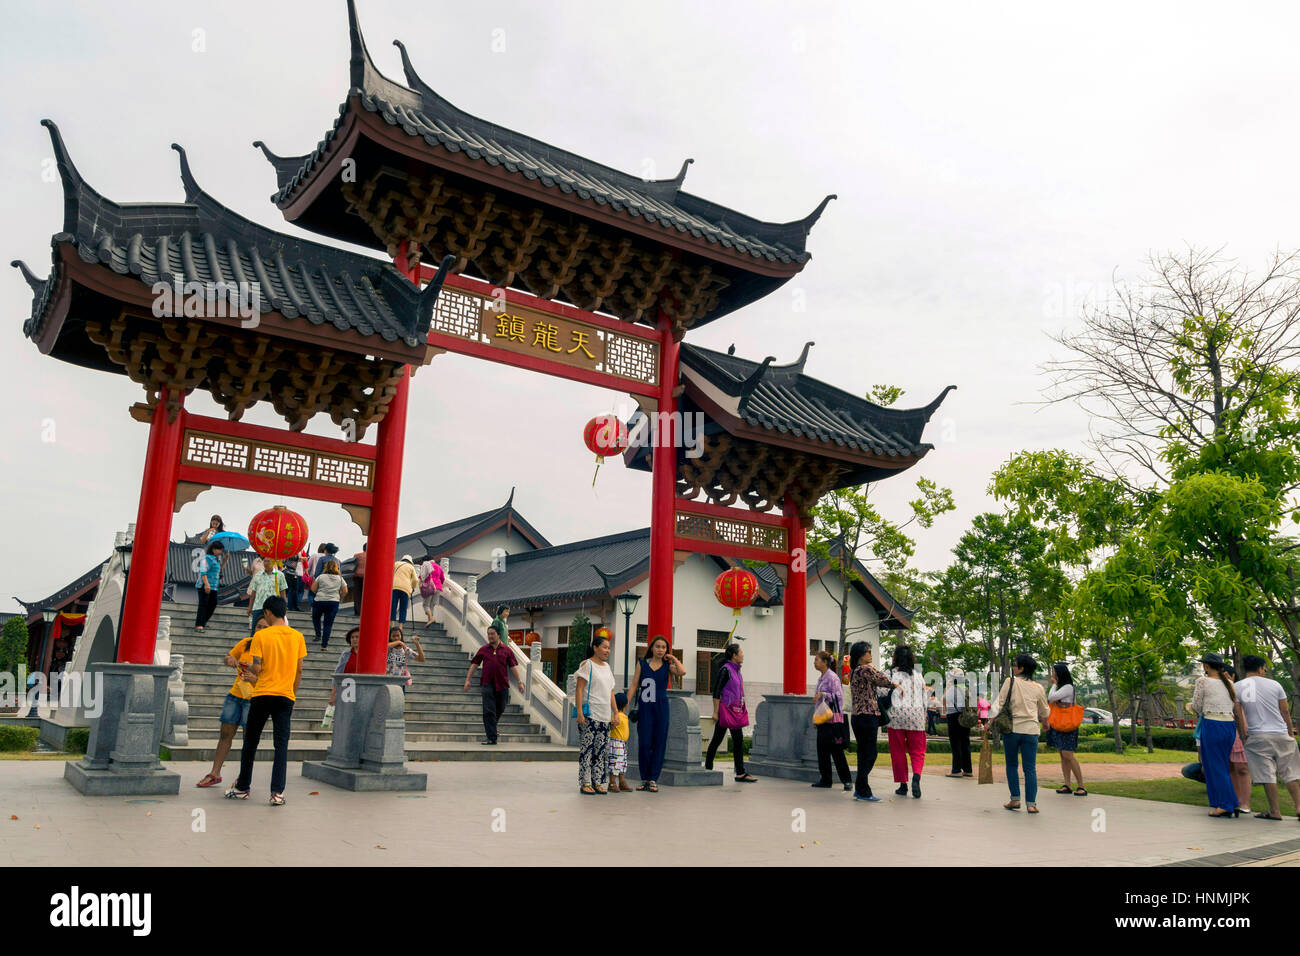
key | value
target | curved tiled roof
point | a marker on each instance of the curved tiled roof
(422, 113)
(781, 398)
(568, 572)
(200, 240)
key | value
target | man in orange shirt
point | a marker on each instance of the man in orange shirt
(275, 672)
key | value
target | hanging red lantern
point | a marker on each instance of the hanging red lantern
(604, 632)
(277, 533)
(736, 588)
(532, 637)
(604, 435)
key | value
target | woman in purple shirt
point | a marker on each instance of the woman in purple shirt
(832, 736)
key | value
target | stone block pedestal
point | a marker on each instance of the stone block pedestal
(368, 744)
(785, 738)
(122, 753)
(683, 761)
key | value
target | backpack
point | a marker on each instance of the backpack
(431, 583)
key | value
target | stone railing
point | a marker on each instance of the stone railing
(467, 623)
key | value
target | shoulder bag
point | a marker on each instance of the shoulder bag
(968, 716)
(586, 703)
(1065, 718)
(1005, 722)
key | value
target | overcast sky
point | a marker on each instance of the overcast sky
(995, 165)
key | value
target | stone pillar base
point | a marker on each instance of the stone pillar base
(683, 760)
(122, 753)
(368, 745)
(785, 738)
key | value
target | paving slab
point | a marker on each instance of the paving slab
(533, 813)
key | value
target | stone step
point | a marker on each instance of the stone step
(211, 704)
(416, 730)
(204, 750)
(413, 726)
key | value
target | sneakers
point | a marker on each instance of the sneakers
(869, 799)
(277, 799)
(234, 793)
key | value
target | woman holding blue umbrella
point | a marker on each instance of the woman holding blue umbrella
(208, 583)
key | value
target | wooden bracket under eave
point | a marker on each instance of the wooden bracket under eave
(187, 491)
(360, 515)
(430, 351)
(680, 558)
(142, 412)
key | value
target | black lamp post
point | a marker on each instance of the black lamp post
(627, 604)
(48, 614)
(125, 551)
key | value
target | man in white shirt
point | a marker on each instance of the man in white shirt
(1271, 749)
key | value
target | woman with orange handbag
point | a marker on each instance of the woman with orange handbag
(1063, 727)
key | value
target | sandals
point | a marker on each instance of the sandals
(1011, 805)
(602, 790)
(208, 781)
(1268, 816)
(652, 787)
(1079, 792)
(1032, 808)
(1064, 788)
(587, 790)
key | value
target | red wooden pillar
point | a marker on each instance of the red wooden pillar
(381, 537)
(153, 526)
(663, 488)
(795, 656)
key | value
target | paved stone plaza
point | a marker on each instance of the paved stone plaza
(540, 818)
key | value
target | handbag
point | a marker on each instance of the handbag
(1065, 718)
(1004, 722)
(586, 703)
(968, 716)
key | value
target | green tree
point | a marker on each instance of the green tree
(849, 528)
(1193, 382)
(579, 641)
(13, 645)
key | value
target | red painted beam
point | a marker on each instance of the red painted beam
(559, 309)
(461, 346)
(279, 436)
(725, 549)
(706, 509)
(272, 485)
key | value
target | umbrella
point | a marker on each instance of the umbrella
(230, 540)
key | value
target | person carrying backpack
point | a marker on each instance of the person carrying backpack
(431, 581)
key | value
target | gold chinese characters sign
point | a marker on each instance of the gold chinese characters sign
(529, 332)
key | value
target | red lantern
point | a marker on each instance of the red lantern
(604, 435)
(277, 533)
(604, 632)
(532, 637)
(736, 588)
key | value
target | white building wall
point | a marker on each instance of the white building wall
(695, 608)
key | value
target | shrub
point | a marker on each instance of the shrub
(15, 739)
(579, 641)
(77, 740)
(13, 645)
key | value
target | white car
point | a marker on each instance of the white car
(1095, 715)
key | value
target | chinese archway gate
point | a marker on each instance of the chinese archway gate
(547, 261)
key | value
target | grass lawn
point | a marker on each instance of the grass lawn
(1046, 761)
(31, 756)
(1182, 790)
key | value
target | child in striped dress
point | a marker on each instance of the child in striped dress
(619, 731)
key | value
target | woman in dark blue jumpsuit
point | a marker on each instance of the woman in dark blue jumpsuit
(651, 686)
